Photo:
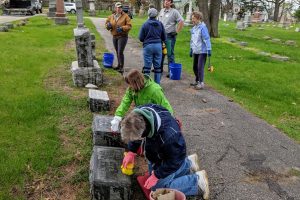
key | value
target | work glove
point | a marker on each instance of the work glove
(191, 52)
(128, 159)
(108, 26)
(151, 181)
(119, 29)
(209, 53)
(115, 123)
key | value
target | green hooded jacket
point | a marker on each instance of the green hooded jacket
(151, 93)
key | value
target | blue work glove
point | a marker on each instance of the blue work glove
(191, 52)
(209, 53)
(119, 30)
(108, 26)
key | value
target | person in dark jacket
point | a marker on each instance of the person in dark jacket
(152, 34)
(164, 147)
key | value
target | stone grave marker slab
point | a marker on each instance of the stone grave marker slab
(102, 132)
(243, 44)
(3, 29)
(290, 43)
(106, 179)
(98, 100)
(9, 25)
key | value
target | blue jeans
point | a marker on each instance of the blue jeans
(152, 55)
(181, 180)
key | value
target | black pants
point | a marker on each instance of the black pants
(198, 66)
(120, 44)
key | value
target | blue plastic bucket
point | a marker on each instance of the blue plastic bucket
(175, 71)
(108, 60)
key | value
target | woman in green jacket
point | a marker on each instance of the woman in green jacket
(142, 90)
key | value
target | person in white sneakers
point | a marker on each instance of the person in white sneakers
(164, 147)
(200, 48)
(142, 90)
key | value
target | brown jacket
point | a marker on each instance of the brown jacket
(124, 21)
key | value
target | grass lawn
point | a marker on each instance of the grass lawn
(45, 141)
(270, 89)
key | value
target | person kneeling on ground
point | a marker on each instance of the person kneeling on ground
(142, 90)
(165, 149)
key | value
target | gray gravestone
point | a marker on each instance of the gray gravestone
(84, 75)
(102, 132)
(52, 8)
(98, 100)
(9, 25)
(86, 69)
(3, 29)
(106, 179)
(244, 44)
(290, 43)
(297, 29)
(280, 58)
(240, 26)
(267, 38)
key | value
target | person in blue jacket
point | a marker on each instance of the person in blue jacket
(152, 34)
(164, 147)
(200, 48)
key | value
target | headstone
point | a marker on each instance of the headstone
(290, 43)
(280, 58)
(247, 20)
(232, 40)
(276, 40)
(86, 69)
(60, 15)
(3, 29)
(52, 8)
(92, 11)
(234, 17)
(267, 38)
(229, 16)
(297, 29)
(106, 179)
(9, 25)
(189, 14)
(244, 44)
(225, 17)
(240, 26)
(85, 75)
(102, 133)
(264, 53)
(98, 100)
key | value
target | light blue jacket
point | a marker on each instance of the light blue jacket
(200, 40)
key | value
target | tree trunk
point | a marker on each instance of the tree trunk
(203, 7)
(214, 18)
(156, 4)
(276, 10)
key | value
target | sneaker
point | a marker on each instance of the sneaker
(193, 84)
(203, 183)
(198, 86)
(202, 85)
(194, 162)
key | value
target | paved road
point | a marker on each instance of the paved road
(9, 18)
(245, 157)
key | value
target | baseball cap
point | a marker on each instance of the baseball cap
(118, 5)
(152, 12)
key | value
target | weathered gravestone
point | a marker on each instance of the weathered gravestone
(98, 100)
(240, 26)
(93, 43)
(106, 179)
(290, 43)
(86, 69)
(297, 29)
(92, 11)
(102, 132)
(3, 29)
(52, 8)
(9, 25)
